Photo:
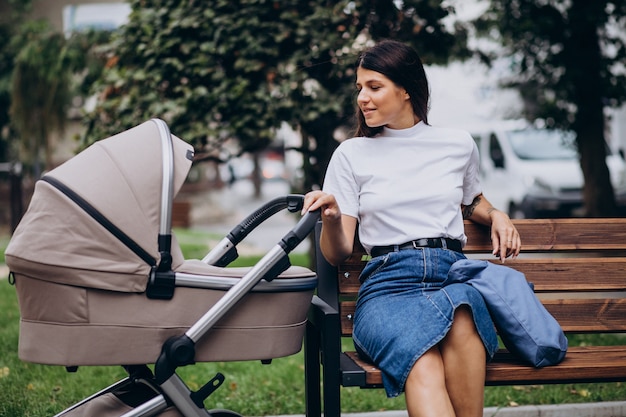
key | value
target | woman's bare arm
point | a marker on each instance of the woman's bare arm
(338, 230)
(505, 238)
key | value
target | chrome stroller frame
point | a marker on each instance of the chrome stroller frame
(179, 351)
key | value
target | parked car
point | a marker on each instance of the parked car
(532, 172)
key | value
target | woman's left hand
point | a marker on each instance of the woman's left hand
(504, 236)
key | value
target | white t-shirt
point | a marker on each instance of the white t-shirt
(405, 184)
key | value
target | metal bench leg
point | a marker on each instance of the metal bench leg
(331, 380)
(312, 381)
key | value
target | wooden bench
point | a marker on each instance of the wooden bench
(578, 268)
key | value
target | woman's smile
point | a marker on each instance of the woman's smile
(382, 102)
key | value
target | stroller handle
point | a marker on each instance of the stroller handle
(270, 265)
(226, 251)
(291, 202)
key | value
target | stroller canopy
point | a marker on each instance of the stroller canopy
(95, 220)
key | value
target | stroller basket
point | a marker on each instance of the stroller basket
(69, 325)
(101, 280)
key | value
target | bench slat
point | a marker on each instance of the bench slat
(556, 234)
(574, 274)
(552, 235)
(589, 364)
(558, 274)
(601, 315)
(589, 315)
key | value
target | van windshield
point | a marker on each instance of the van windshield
(543, 144)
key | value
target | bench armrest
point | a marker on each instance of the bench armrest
(321, 314)
(322, 346)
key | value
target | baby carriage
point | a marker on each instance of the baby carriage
(101, 280)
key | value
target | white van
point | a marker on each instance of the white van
(532, 173)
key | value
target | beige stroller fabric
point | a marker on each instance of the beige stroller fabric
(121, 176)
(81, 290)
(69, 325)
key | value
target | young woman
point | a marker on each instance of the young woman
(407, 186)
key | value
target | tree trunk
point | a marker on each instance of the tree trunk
(598, 191)
(16, 196)
(257, 179)
(585, 66)
(318, 145)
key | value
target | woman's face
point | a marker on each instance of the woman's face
(382, 102)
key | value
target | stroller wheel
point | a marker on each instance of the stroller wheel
(223, 413)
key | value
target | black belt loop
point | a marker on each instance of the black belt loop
(438, 242)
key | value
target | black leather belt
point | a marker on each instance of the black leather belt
(436, 242)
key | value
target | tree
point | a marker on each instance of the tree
(10, 43)
(329, 65)
(206, 68)
(568, 60)
(46, 76)
(40, 94)
(217, 70)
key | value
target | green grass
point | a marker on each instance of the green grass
(195, 244)
(253, 389)
(4, 241)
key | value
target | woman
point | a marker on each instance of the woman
(408, 186)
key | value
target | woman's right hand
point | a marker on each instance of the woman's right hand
(337, 236)
(327, 204)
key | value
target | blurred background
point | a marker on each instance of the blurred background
(264, 90)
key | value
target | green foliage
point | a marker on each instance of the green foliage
(4, 241)
(48, 70)
(40, 90)
(202, 69)
(87, 60)
(18, 8)
(10, 41)
(5, 59)
(219, 70)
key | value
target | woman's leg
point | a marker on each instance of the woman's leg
(449, 379)
(425, 388)
(464, 361)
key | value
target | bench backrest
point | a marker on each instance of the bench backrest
(577, 266)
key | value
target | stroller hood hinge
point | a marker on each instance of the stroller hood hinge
(161, 284)
(162, 279)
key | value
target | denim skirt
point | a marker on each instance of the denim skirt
(404, 308)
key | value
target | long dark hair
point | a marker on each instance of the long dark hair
(402, 65)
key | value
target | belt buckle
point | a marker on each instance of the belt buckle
(439, 242)
(419, 243)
